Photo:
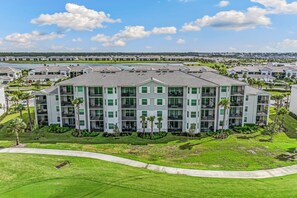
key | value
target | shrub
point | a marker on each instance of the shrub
(84, 133)
(293, 115)
(55, 128)
(155, 137)
(246, 129)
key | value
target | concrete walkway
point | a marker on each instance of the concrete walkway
(170, 170)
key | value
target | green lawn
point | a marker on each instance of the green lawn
(93, 62)
(25, 175)
(17, 115)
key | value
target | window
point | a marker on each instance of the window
(194, 90)
(110, 114)
(81, 122)
(57, 97)
(116, 102)
(222, 111)
(247, 98)
(159, 113)
(81, 100)
(224, 89)
(221, 123)
(109, 90)
(58, 119)
(245, 119)
(159, 102)
(58, 108)
(80, 89)
(188, 102)
(110, 125)
(193, 114)
(159, 89)
(193, 126)
(246, 109)
(144, 113)
(116, 114)
(188, 114)
(193, 102)
(144, 101)
(143, 89)
(110, 102)
(81, 112)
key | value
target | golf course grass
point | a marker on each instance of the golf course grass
(24, 175)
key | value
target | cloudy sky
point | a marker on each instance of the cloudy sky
(149, 25)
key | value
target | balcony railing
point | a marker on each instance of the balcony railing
(174, 106)
(129, 118)
(236, 115)
(236, 103)
(42, 111)
(175, 117)
(237, 92)
(263, 101)
(262, 113)
(96, 117)
(66, 92)
(66, 103)
(175, 94)
(93, 94)
(207, 118)
(96, 106)
(68, 115)
(128, 106)
(208, 94)
(129, 94)
(41, 101)
(207, 106)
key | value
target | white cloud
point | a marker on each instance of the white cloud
(231, 20)
(77, 18)
(77, 40)
(181, 41)
(30, 37)
(130, 33)
(164, 30)
(287, 45)
(278, 6)
(223, 4)
(168, 38)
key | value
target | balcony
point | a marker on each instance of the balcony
(208, 94)
(175, 106)
(236, 103)
(129, 94)
(175, 117)
(206, 118)
(41, 101)
(129, 118)
(96, 105)
(237, 92)
(42, 111)
(68, 115)
(262, 113)
(94, 117)
(66, 92)
(175, 92)
(129, 106)
(236, 115)
(66, 103)
(207, 106)
(263, 102)
(95, 92)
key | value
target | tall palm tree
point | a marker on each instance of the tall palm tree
(151, 119)
(225, 103)
(160, 119)
(27, 96)
(77, 102)
(17, 126)
(282, 112)
(143, 123)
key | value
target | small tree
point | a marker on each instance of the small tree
(282, 112)
(17, 126)
(225, 103)
(151, 119)
(20, 108)
(116, 130)
(143, 124)
(191, 131)
(160, 119)
(77, 102)
(271, 129)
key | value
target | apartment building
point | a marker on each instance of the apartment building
(185, 100)
(8, 74)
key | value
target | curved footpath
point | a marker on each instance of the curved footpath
(259, 174)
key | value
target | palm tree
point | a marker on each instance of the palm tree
(27, 97)
(17, 126)
(151, 119)
(20, 108)
(160, 119)
(143, 122)
(225, 103)
(77, 102)
(282, 112)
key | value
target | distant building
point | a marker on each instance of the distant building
(293, 103)
(2, 101)
(8, 74)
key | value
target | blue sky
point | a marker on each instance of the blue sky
(149, 25)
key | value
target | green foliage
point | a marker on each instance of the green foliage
(246, 129)
(55, 128)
